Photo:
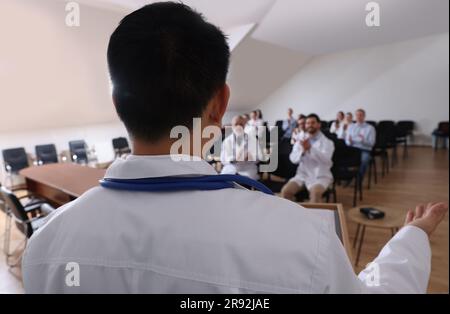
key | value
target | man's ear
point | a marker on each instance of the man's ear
(218, 105)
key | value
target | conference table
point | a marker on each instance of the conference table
(62, 182)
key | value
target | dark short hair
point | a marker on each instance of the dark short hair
(166, 63)
(301, 116)
(362, 111)
(259, 112)
(313, 116)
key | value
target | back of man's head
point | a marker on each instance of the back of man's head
(166, 63)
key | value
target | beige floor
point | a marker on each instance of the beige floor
(421, 178)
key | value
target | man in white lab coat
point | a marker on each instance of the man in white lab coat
(165, 59)
(313, 153)
(241, 151)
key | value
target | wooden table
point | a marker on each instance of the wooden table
(61, 183)
(393, 220)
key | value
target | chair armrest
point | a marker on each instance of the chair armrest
(28, 195)
(33, 207)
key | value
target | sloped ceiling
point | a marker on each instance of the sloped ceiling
(326, 26)
(55, 76)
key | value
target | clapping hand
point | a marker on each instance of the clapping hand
(306, 144)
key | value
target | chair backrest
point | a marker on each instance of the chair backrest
(387, 131)
(285, 168)
(46, 154)
(17, 210)
(372, 123)
(331, 136)
(120, 143)
(78, 151)
(325, 126)
(15, 158)
(279, 125)
(406, 126)
(444, 127)
(347, 157)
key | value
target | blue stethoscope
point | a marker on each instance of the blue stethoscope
(176, 184)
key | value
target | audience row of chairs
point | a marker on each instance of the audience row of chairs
(346, 165)
(347, 160)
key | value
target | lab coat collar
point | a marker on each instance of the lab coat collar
(139, 167)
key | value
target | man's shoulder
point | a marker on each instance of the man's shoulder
(326, 140)
(263, 203)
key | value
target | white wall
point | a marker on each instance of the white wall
(52, 75)
(405, 80)
(258, 69)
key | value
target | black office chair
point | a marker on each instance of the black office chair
(28, 219)
(441, 134)
(14, 159)
(403, 130)
(121, 146)
(346, 166)
(78, 151)
(388, 129)
(285, 170)
(331, 136)
(379, 150)
(325, 126)
(46, 154)
(372, 123)
(279, 126)
(407, 126)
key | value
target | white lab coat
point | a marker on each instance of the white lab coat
(314, 167)
(232, 152)
(200, 242)
(341, 132)
(255, 128)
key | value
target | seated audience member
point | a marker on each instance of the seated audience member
(362, 135)
(255, 121)
(259, 115)
(342, 131)
(246, 118)
(241, 152)
(314, 155)
(289, 125)
(255, 125)
(337, 124)
(299, 132)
